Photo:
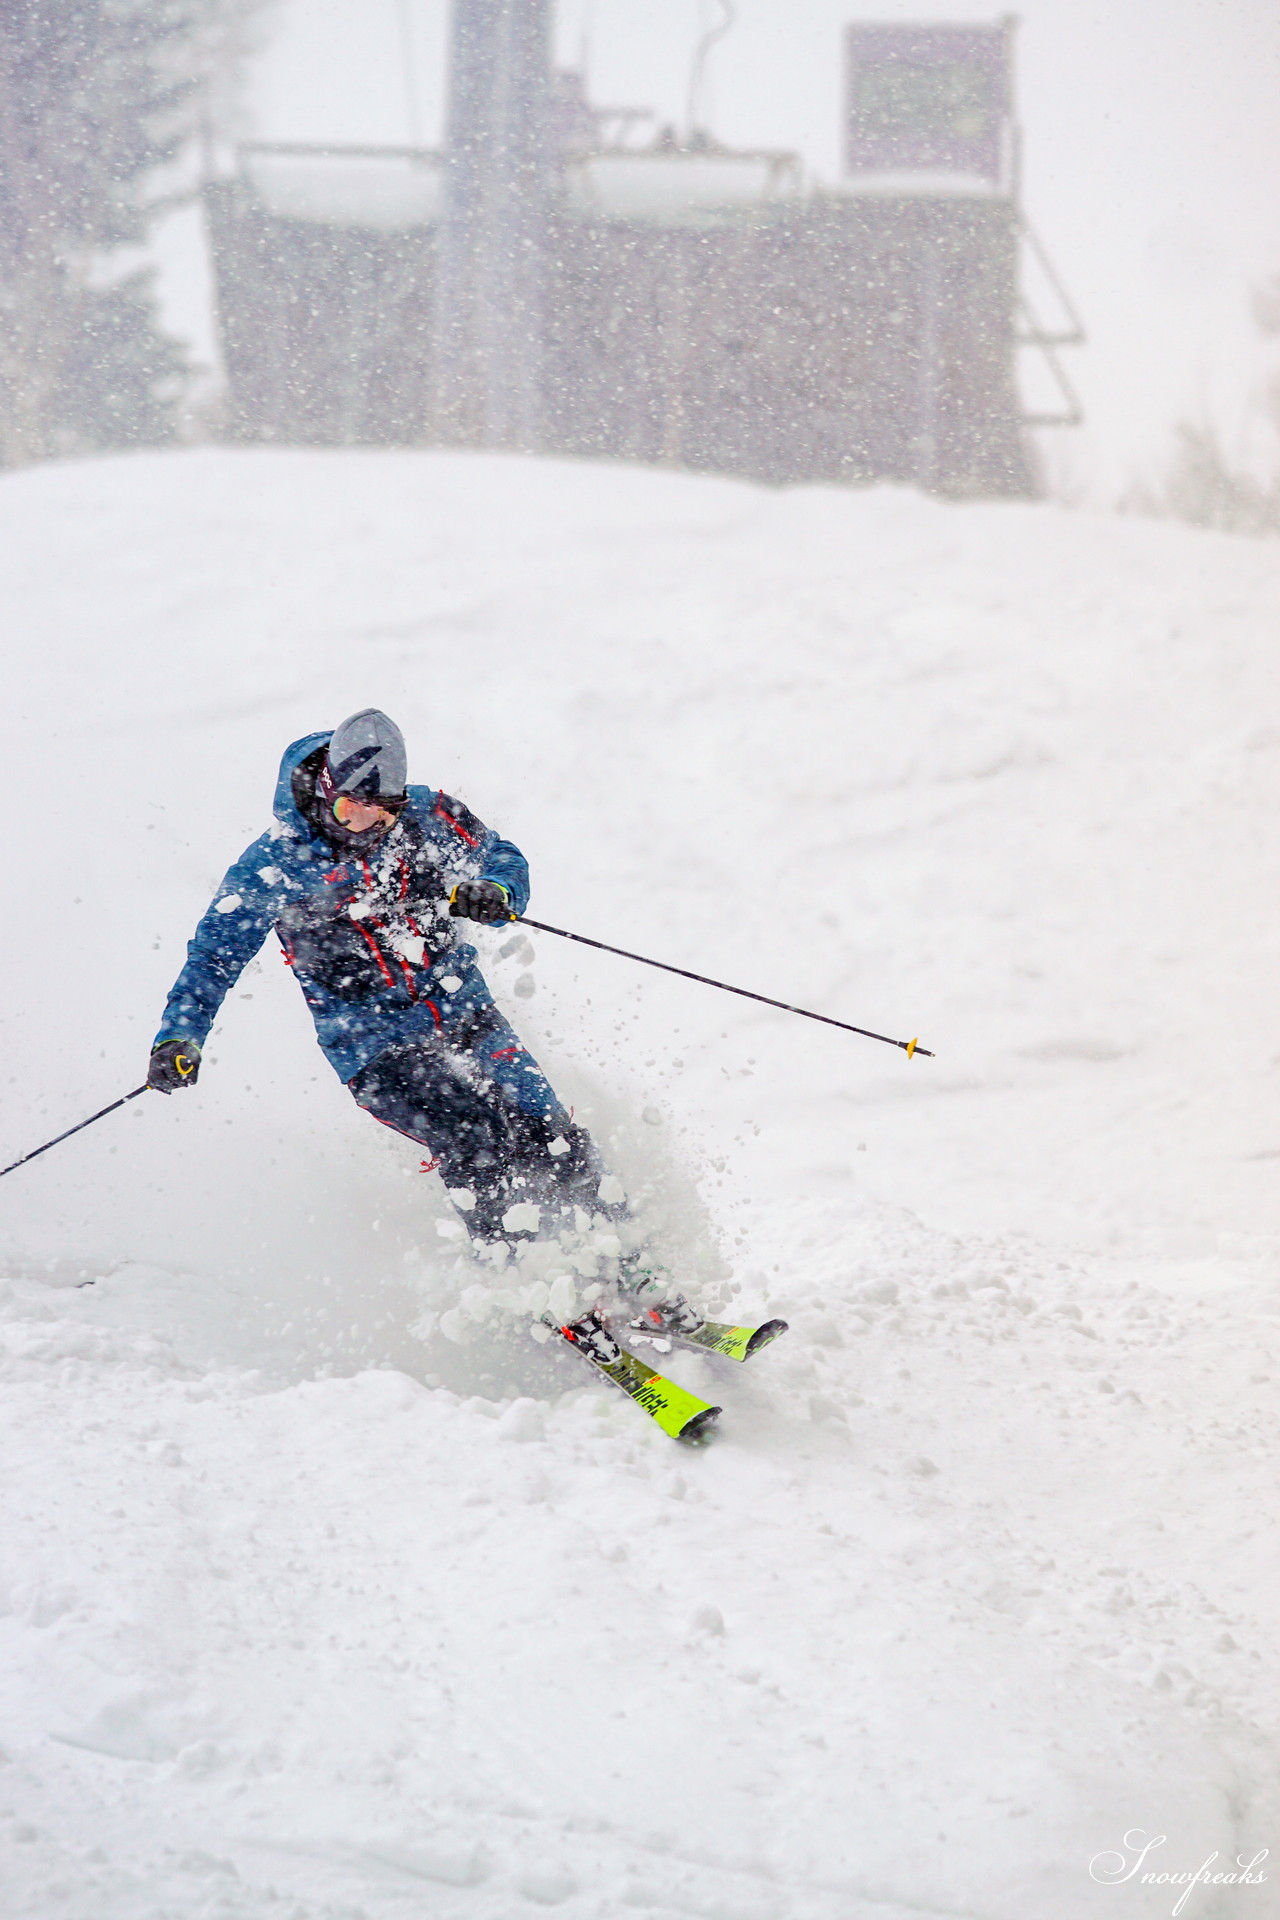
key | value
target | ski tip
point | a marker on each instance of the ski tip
(763, 1335)
(695, 1431)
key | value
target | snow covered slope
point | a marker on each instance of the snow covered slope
(309, 1610)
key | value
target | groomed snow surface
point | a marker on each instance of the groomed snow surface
(310, 1612)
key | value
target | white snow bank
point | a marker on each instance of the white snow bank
(302, 1612)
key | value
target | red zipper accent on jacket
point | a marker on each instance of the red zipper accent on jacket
(405, 968)
(374, 948)
(458, 828)
(376, 951)
(435, 1012)
(404, 879)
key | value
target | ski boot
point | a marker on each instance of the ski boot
(666, 1317)
(662, 1314)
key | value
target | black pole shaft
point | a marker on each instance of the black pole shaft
(70, 1130)
(909, 1047)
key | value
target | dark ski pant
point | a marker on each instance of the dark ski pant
(488, 1115)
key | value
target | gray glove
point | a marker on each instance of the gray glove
(485, 900)
(174, 1063)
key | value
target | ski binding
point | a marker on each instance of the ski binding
(677, 1411)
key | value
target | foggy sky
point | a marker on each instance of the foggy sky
(1151, 160)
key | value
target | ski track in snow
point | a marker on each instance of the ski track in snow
(307, 1611)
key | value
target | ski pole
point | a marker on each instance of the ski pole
(909, 1047)
(22, 1161)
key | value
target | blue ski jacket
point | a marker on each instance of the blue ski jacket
(370, 938)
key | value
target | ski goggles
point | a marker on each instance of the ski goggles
(348, 807)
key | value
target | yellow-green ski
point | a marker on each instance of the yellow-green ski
(736, 1343)
(677, 1411)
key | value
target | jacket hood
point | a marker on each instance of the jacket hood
(285, 807)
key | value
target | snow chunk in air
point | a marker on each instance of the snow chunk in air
(522, 1218)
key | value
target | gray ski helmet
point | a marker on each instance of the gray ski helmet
(366, 759)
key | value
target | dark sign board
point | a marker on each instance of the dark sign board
(935, 98)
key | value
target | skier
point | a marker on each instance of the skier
(365, 880)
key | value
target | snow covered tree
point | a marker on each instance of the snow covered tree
(95, 96)
(1203, 485)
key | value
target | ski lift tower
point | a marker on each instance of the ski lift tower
(931, 150)
(490, 252)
